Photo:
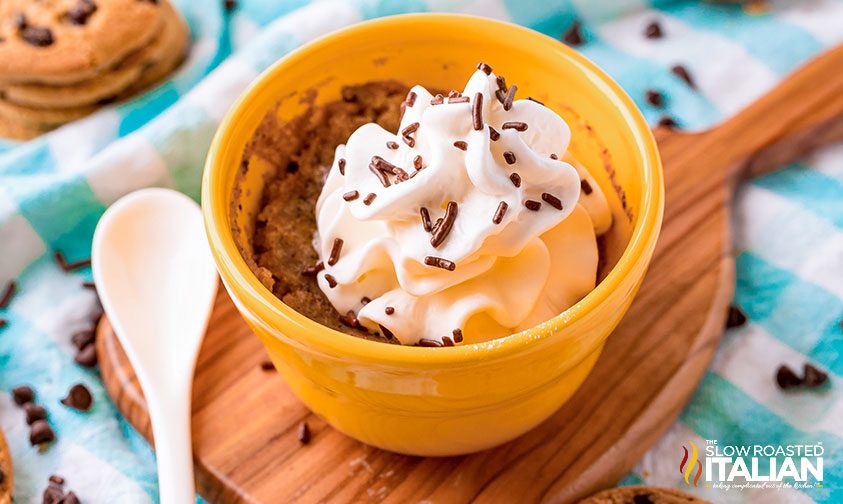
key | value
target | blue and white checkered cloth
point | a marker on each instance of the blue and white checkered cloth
(788, 229)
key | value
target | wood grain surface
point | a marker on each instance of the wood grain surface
(245, 419)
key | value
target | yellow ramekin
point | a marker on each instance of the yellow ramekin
(441, 401)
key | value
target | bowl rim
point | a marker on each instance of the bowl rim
(273, 312)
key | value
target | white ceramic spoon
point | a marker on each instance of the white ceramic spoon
(157, 283)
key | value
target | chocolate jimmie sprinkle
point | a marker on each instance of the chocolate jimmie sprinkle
(351, 195)
(437, 100)
(493, 134)
(447, 341)
(485, 68)
(534, 100)
(439, 262)
(364, 301)
(454, 94)
(510, 96)
(477, 112)
(441, 230)
(378, 169)
(313, 270)
(516, 179)
(532, 205)
(417, 163)
(585, 186)
(411, 99)
(425, 216)
(425, 342)
(332, 282)
(409, 130)
(391, 145)
(501, 81)
(369, 198)
(509, 157)
(336, 249)
(68, 267)
(516, 125)
(459, 144)
(341, 164)
(459, 99)
(554, 157)
(499, 213)
(8, 294)
(350, 320)
(457, 335)
(552, 200)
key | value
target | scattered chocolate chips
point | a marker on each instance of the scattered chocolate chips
(485, 68)
(442, 228)
(389, 310)
(552, 201)
(585, 186)
(67, 267)
(341, 164)
(653, 30)
(459, 144)
(736, 317)
(336, 249)
(533, 205)
(573, 36)
(23, 394)
(34, 412)
(350, 320)
(655, 98)
(332, 282)
(516, 179)
(786, 378)
(667, 122)
(500, 212)
(37, 36)
(78, 398)
(417, 163)
(87, 357)
(682, 72)
(430, 343)
(439, 262)
(425, 217)
(813, 377)
(516, 125)
(81, 339)
(266, 365)
(493, 134)
(351, 195)
(509, 98)
(457, 335)
(8, 293)
(391, 145)
(41, 432)
(314, 270)
(80, 12)
(509, 157)
(304, 433)
(477, 112)
(369, 198)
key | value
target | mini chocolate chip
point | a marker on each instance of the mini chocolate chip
(736, 317)
(80, 13)
(653, 30)
(34, 412)
(23, 394)
(655, 98)
(786, 378)
(37, 36)
(813, 376)
(87, 356)
(682, 72)
(40, 432)
(267, 365)
(81, 339)
(304, 433)
(573, 36)
(79, 398)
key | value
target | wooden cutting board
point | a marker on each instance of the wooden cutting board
(245, 419)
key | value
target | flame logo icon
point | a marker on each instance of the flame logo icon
(687, 470)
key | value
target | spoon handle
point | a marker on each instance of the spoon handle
(170, 419)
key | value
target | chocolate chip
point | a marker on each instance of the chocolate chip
(516, 125)
(292, 167)
(40, 432)
(440, 262)
(655, 98)
(736, 317)
(229, 5)
(23, 394)
(81, 339)
(267, 365)
(786, 378)
(341, 164)
(80, 13)
(573, 36)
(79, 398)
(8, 293)
(682, 72)
(37, 36)
(668, 122)
(34, 412)
(653, 30)
(369, 199)
(391, 145)
(813, 377)
(304, 433)
(87, 356)
(364, 301)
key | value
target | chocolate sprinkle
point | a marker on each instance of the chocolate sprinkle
(406, 132)
(81, 339)
(79, 398)
(34, 412)
(493, 134)
(437, 100)
(351, 195)
(459, 144)
(500, 95)
(736, 317)
(336, 248)
(391, 145)
(364, 301)
(534, 100)
(37, 36)
(477, 112)
(668, 122)
(417, 163)
(411, 99)
(654, 98)
(552, 200)
(304, 433)
(485, 68)
(516, 179)
(8, 294)
(89, 285)
(499, 213)
(653, 30)
(682, 72)
(786, 378)
(267, 365)
(378, 169)
(501, 81)
(573, 36)
(459, 99)
(813, 377)
(454, 94)
(87, 357)
(510, 96)
(554, 157)
(425, 216)
(447, 341)
(441, 229)
(440, 263)
(41, 432)
(332, 282)
(369, 198)
(68, 267)
(516, 125)
(341, 164)
(23, 394)
(509, 157)
(389, 310)
(425, 342)
(457, 335)
(532, 205)
(314, 270)
(350, 320)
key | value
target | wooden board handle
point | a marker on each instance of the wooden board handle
(804, 112)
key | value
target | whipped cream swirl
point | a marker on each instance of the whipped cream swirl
(465, 225)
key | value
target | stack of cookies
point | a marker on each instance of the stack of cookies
(61, 60)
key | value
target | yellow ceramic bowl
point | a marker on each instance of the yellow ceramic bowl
(441, 401)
